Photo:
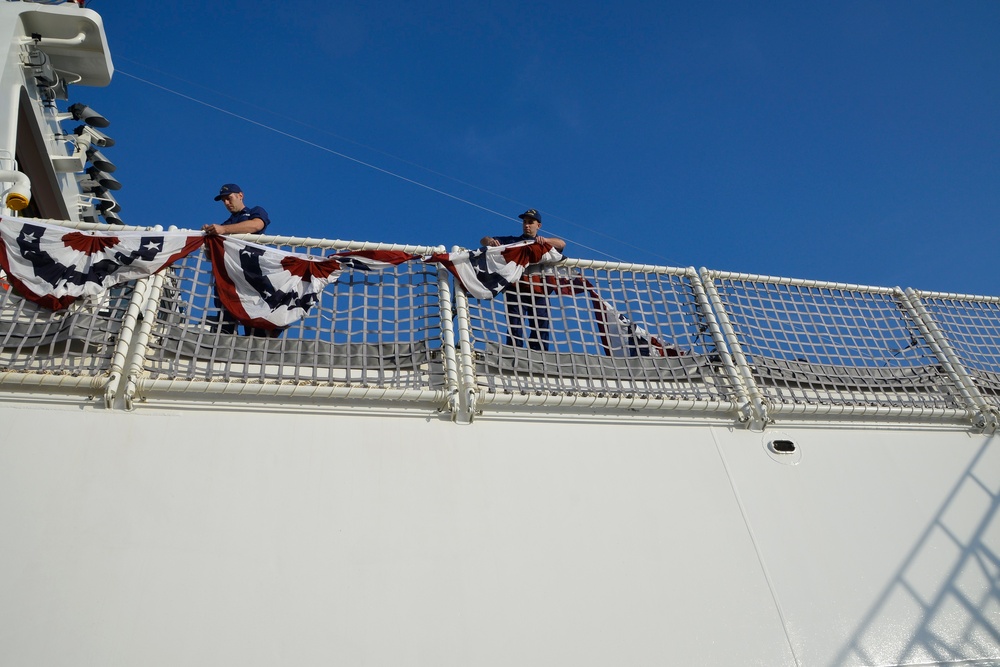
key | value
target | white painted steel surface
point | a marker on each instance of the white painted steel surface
(880, 544)
(210, 536)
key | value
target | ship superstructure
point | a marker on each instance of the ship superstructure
(697, 467)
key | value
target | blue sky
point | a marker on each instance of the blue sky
(849, 141)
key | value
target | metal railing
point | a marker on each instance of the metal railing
(369, 335)
(817, 348)
(597, 335)
(580, 335)
(968, 331)
(77, 351)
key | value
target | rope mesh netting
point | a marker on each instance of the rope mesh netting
(585, 331)
(833, 345)
(79, 340)
(370, 329)
(971, 327)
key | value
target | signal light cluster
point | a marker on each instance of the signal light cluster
(96, 182)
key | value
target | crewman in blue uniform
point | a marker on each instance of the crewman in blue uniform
(527, 304)
(242, 219)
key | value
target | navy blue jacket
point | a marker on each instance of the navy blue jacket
(248, 214)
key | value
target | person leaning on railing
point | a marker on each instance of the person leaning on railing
(526, 301)
(242, 219)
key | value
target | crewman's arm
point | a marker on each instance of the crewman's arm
(558, 244)
(251, 226)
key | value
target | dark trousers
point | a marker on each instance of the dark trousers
(227, 324)
(527, 309)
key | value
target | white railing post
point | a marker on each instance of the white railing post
(448, 343)
(704, 305)
(135, 366)
(126, 335)
(754, 410)
(469, 393)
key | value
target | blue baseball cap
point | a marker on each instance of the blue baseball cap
(531, 214)
(226, 190)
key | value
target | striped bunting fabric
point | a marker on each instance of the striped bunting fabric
(270, 289)
(54, 266)
(488, 272)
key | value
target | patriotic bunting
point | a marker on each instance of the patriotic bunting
(53, 266)
(487, 272)
(620, 336)
(270, 289)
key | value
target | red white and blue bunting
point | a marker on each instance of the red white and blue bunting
(488, 272)
(54, 266)
(270, 289)
(618, 334)
(267, 288)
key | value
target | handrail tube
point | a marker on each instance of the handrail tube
(840, 409)
(80, 38)
(798, 282)
(448, 344)
(470, 396)
(87, 384)
(146, 387)
(953, 296)
(605, 402)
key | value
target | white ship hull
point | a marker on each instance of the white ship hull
(201, 535)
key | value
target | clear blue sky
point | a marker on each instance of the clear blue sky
(847, 141)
